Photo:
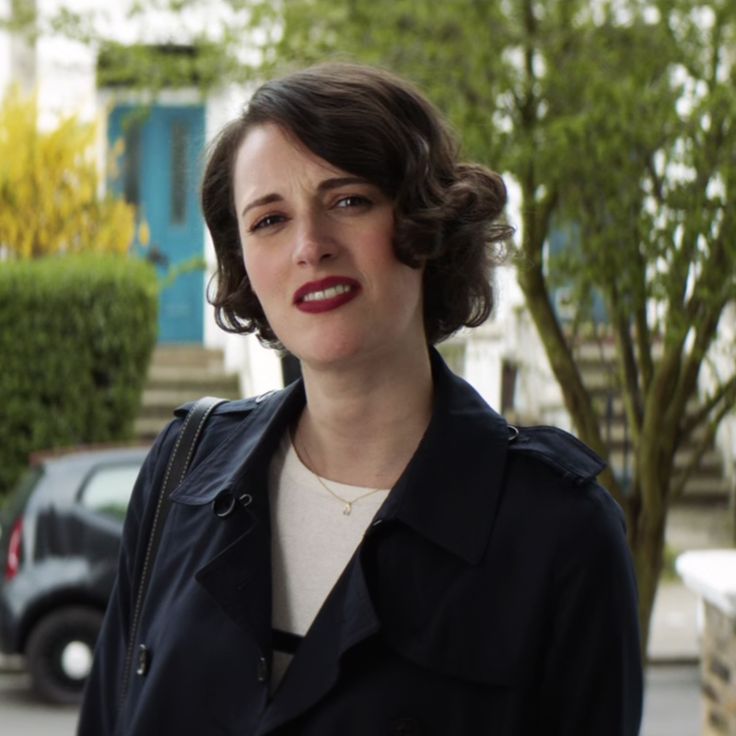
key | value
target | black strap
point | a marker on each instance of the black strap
(181, 457)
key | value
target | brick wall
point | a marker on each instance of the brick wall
(719, 672)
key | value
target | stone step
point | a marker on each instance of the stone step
(592, 351)
(190, 379)
(148, 428)
(616, 434)
(601, 399)
(166, 399)
(699, 488)
(153, 417)
(187, 355)
(711, 465)
(179, 374)
(603, 387)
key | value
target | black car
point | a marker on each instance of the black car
(60, 532)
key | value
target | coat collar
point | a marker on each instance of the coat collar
(450, 490)
(448, 493)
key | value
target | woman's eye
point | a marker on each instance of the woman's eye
(265, 222)
(354, 200)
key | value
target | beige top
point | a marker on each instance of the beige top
(311, 541)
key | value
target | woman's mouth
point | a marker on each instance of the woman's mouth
(325, 294)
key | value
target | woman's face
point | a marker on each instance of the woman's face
(317, 246)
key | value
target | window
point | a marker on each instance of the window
(108, 489)
(132, 163)
(179, 184)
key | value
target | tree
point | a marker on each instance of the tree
(49, 188)
(617, 118)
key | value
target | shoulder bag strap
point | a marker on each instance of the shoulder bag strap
(181, 457)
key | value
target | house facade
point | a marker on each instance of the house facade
(151, 148)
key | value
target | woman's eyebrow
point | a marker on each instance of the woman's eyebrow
(324, 186)
(265, 199)
(340, 181)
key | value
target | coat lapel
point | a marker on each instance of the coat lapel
(237, 570)
(239, 579)
(346, 618)
(447, 497)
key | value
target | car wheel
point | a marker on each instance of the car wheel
(59, 653)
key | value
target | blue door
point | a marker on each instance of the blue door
(157, 169)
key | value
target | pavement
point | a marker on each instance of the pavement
(676, 620)
(675, 629)
(672, 700)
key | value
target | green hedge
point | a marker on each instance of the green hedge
(76, 336)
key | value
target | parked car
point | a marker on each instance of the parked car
(60, 532)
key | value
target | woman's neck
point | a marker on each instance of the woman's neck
(361, 426)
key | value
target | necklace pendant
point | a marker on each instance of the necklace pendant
(347, 508)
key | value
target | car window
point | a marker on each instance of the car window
(13, 504)
(108, 489)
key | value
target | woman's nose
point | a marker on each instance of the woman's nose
(314, 243)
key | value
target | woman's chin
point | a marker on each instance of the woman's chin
(330, 353)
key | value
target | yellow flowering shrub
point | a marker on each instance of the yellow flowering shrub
(50, 199)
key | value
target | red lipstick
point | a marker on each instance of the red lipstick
(325, 294)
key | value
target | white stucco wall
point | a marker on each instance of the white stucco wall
(17, 58)
(7, 72)
(718, 368)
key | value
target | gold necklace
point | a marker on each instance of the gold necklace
(347, 506)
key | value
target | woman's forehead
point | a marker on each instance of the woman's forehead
(270, 158)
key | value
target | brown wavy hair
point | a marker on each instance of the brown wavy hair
(377, 126)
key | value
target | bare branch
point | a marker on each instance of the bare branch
(725, 393)
(627, 366)
(657, 181)
(576, 396)
(700, 449)
(705, 310)
(644, 347)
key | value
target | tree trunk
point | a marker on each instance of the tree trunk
(647, 548)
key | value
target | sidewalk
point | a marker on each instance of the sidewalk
(675, 621)
(672, 700)
(673, 637)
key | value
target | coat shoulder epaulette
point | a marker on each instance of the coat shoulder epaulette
(235, 406)
(558, 449)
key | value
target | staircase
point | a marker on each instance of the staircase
(596, 363)
(177, 374)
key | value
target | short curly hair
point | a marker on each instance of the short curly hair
(377, 126)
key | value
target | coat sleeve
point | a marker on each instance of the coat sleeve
(592, 681)
(102, 691)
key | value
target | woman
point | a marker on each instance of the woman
(403, 561)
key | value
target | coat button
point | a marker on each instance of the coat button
(144, 660)
(223, 504)
(262, 670)
(406, 727)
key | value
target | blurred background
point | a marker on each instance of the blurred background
(613, 123)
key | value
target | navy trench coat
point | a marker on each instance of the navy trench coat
(492, 594)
